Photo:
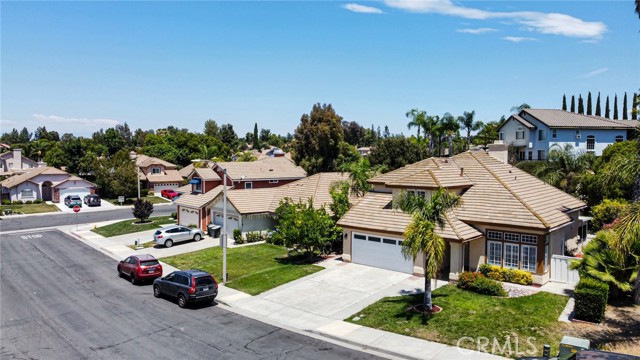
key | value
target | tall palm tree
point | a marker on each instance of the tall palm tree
(420, 237)
(450, 127)
(466, 122)
(628, 241)
(431, 129)
(207, 152)
(563, 167)
(418, 120)
(517, 109)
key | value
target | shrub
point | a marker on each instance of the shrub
(519, 277)
(607, 211)
(480, 284)
(37, 201)
(174, 215)
(145, 192)
(503, 274)
(6, 202)
(142, 209)
(590, 299)
(192, 226)
(28, 202)
(237, 236)
(254, 236)
(17, 202)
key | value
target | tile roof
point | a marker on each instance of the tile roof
(267, 168)
(197, 200)
(564, 119)
(144, 161)
(522, 121)
(74, 178)
(374, 213)
(19, 179)
(184, 189)
(206, 174)
(426, 174)
(186, 171)
(167, 176)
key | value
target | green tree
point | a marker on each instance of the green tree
(488, 134)
(624, 107)
(256, 139)
(211, 128)
(628, 241)
(635, 106)
(419, 121)
(360, 172)
(573, 103)
(563, 167)
(113, 140)
(589, 104)
(246, 156)
(598, 112)
(450, 128)
(116, 175)
(580, 105)
(516, 109)
(142, 209)
(340, 204)
(615, 107)
(466, 122)
(207, 152)
(228, 136)
(420, 237)
(564, 102)
(394, 152)
(319, 141)
(606, 212)
(607, 111)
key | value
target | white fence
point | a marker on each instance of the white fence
(560, 271)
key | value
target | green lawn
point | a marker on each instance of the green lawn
(130, 201)
(29, 209)
(472, 315)
(127, 226)
(252, 269)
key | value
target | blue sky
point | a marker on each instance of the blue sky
(79, 66)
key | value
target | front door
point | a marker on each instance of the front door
(47, 192)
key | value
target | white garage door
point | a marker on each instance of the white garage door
(232, 222)
(81, 191)
(159, 187)
(382, 252)
(189, 217)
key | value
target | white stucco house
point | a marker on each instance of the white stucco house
(534, 131)
(45, 183)
(13, 162)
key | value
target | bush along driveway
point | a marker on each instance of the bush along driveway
(251, 269)
(129, 226)
(467, 318)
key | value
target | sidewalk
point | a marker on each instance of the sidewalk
(326, 324)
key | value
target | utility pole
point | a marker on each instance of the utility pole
(223, 238)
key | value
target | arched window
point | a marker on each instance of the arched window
(591, 143)
(619, 138)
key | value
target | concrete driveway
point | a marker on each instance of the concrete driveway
(104, 205)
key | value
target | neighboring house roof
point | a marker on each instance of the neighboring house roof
(186, 171)
(19, 179)
(144, 161)
(184, 189)
(198, 200)
(74, 178)
(206, 174)
(554, 118)
(524, 122)
(263, 169)
(251, 201)
(500, 194)
(436, 174)
(374, 212)
(171, 176)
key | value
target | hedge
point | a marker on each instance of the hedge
(509, 275)
(480, 284)
(590, 299)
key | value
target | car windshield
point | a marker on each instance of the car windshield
(204, 281)
(149, 262)
(158, 232)
(75, 197)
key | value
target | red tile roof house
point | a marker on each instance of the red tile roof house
(157, 174)
(509, 218)
(45, 183)
(206, 184)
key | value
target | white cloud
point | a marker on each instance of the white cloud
(593, 73)
(362, 9)
(544, 23)
(73, 124)
(5, 123)
(518, 39)
(476, 31)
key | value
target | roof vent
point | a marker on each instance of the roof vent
(446, 161)
(461, 171)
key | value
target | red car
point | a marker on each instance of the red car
(169, 193)
(139, 268)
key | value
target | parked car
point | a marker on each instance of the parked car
(72, 200)
(172, 234)
(187, 286)
(140, 267)
(92, 200)
(169, 193)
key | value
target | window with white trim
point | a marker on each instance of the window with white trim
(155, 170)
(529, 239)
(248, 185)
(494, 253)
(501, 136)
(542, 135)
(554, 133)
(198, 186)
(511, 237)
(591, 142)
(511, 252)
(519, 134)
(529, 257)
(26, 193)
(273, 181)
(494, 235)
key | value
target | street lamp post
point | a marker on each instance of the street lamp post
(223, 238)
(134, 157)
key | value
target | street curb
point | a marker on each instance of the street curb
(363, 346)
(59, 212)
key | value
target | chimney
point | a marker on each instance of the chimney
(499, 150)
(17, 158)
(461, 171)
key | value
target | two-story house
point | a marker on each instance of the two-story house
(156, 174)
(13, 162)
(534, 131)
(508, 218)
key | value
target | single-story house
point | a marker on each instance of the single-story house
(45, 183)
(508, 218)
(156, 174)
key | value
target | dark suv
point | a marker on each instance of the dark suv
(92, 200)
(187, 286)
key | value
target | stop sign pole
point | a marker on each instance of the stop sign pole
(76, 209)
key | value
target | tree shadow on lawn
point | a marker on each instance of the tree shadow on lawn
(409, 301)
(298, 259)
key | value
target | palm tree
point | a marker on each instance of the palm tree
(517, 109)
(431, 128)
(466, 122)
(420, 237)
(207, 152)
(360, 172)
(418, 120)
(628, 240)
(450, 127)
(564, 167)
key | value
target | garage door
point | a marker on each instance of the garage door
(159, 187)
(382, 252)
(80, 191)
(232, 222)
(189, 217)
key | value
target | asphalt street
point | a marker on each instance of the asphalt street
(9, 223)
(60, 299)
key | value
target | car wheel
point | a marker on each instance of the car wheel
(168, 243)
(182, 301)
(133, 279)
(156, 291)
(119, 272)
(197, 237)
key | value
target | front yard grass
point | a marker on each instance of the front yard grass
(252, 269)
(467, 314)
(127, 226)
(130, 201)
(30, 208)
